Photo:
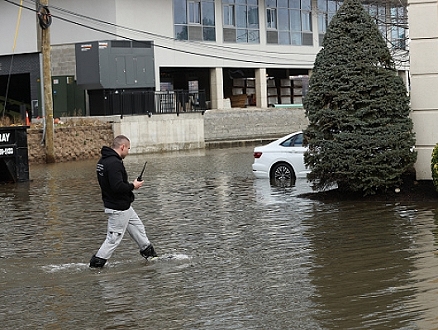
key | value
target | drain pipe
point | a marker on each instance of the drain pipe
(42, 107)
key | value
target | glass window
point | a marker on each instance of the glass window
(253, 17)
(330, 17)
(283, 19)
(398, 27)
(181, 32)
(284, 38)
(294, 4)
(194, 12)
(322, 23)
(391, 23)
(229, 15)
(253, 36)
(209, 33)
(306, 19)
(293, 141)
(326, 10)
(243, 16)
(332, 6)
(242, 35)
(208, 13)
(298, 140)
(296, 38)
(288, 142)
(271, 17)
(179, 12)
(306, 5)
(283, 3)
(293, 18)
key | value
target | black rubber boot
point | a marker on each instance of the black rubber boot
(148, 252)
(97, 262)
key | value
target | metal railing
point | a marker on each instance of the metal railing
(132, 102)
(179, 101)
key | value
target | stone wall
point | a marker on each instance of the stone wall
(71, 142)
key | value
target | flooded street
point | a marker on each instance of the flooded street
(235, 253)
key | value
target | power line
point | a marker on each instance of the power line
(191, 43)
(162, 36)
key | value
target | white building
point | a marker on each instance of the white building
(423, 25)
(209, 43)
(225, 47)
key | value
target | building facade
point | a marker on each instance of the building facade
(423, 26)
(261, 48)
(241, 52)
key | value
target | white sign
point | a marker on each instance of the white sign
(4, 137)
(6, 151)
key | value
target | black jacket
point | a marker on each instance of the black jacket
(113, 180)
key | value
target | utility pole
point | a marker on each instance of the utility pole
(45, 20)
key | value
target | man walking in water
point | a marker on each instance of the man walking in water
(117, 196)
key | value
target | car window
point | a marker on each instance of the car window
(298, 140)
(293, 141)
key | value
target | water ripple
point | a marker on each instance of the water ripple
(235, 253)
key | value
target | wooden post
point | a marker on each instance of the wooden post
(48, 101)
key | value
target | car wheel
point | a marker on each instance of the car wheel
(282, 175)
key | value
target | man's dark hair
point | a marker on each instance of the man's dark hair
(119, 140)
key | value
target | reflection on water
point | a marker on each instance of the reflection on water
(235, 252)
(368, 282)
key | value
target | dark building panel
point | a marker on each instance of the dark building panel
(115, 64)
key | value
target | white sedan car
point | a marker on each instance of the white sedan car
(281, 161)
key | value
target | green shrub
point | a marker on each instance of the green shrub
(360, 134)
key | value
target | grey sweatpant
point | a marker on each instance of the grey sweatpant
(118, 223)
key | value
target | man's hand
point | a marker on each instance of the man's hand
(137, 184)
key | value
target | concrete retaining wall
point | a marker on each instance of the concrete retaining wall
(82, 138)
(164, 132)
(252, 124)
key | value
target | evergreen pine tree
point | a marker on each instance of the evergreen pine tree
(360, 133)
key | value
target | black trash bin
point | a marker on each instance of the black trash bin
(14, 159)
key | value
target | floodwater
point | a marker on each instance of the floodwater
(235, 253)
